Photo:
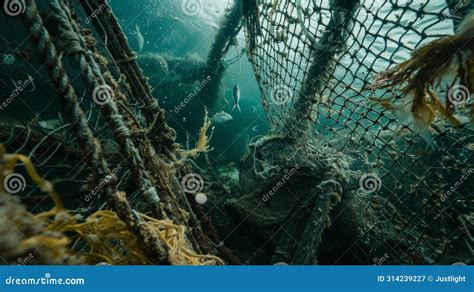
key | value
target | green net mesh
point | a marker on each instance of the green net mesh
(418, 199)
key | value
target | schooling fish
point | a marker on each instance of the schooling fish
(139, 37)
(236, 97)
(221, 118)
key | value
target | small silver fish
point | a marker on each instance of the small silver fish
(139, 37)
(236, 97)
(50, 124)
(221, 118)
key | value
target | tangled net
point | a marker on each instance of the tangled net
(328, 72)
(108, 239)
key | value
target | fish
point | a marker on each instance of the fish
(236, 97)
(139, 38)
(50, 124)
(470, 146)
(274, 7)
(221, 118)
(255, 128)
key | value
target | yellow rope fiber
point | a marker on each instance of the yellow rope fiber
(107, 237)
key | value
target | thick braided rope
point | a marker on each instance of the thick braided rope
(66, 92)
(162, 136)
(85, 136)
(94, 78)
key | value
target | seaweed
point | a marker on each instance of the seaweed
(107, 237)
(421, 78)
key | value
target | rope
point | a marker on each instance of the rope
(159, 132)
(95, 79)
(90, 145)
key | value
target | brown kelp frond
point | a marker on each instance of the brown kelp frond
(444, 64)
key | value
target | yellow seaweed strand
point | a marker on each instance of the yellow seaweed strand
(10, 161)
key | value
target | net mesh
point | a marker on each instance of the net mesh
(420, 210)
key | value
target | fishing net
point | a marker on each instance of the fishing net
(321, 58)
(100, 134)
(80, 110)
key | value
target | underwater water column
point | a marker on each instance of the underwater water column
(229, 28)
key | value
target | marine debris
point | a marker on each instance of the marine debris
(336, 180)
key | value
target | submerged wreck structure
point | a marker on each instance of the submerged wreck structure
(369, 161)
